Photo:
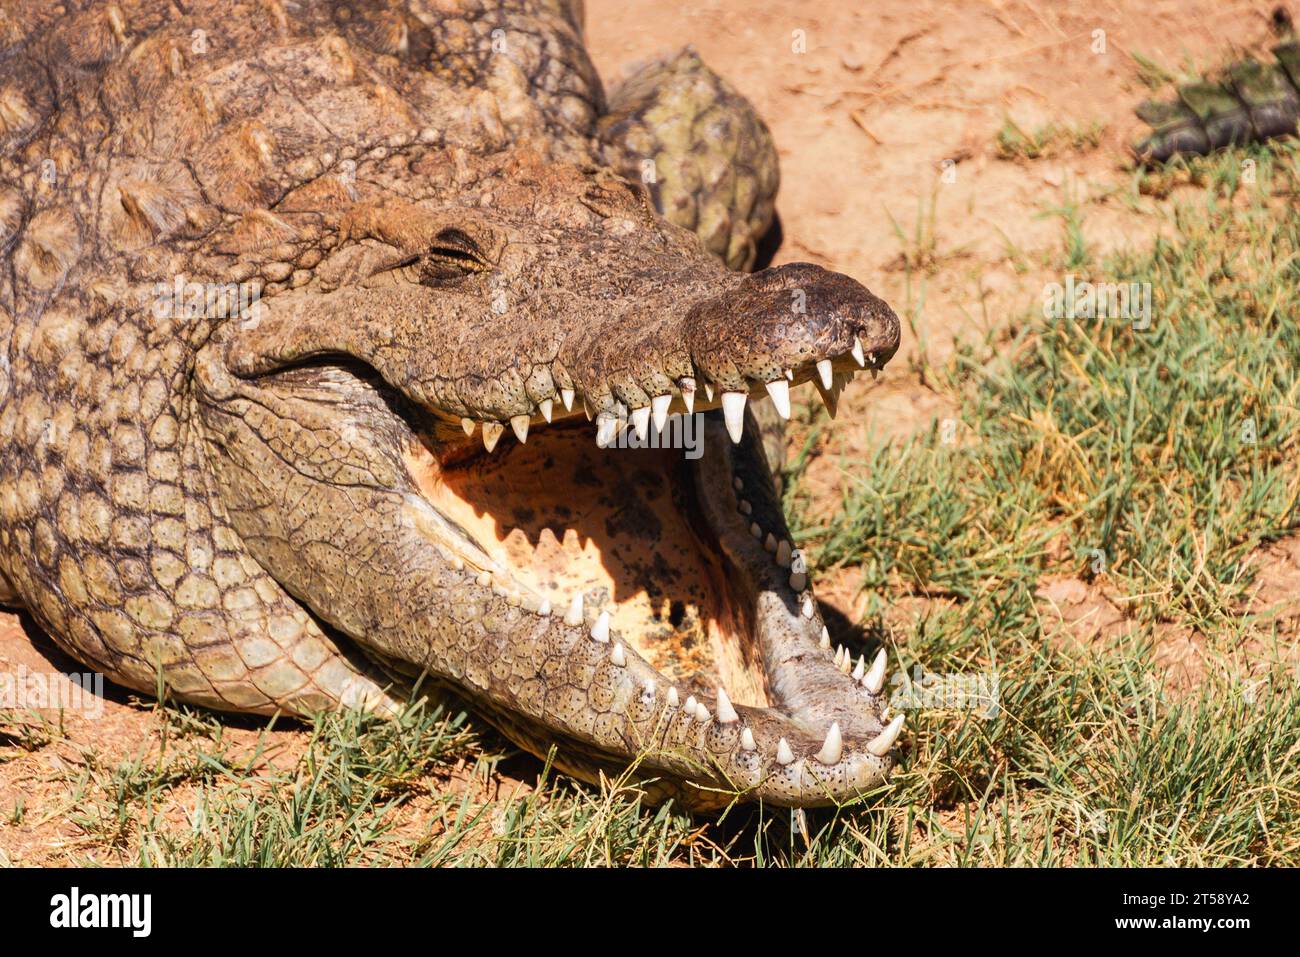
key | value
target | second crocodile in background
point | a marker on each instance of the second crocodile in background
(380, 469)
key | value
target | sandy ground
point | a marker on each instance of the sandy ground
(886, 116)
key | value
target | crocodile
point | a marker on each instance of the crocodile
(335, 341)
(1247, 102)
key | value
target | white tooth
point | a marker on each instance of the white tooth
(600, 630)
(690, 706)
(747, 740)
(672, 697)
(617, 655)
(847, 663)
(659, 408)
(458, 563)
(588, 408)
(881, 743)
(606, 429)
(738, 484)
(745, 507)
(484, 578)
(789, 374)
(755, 530)
(733, 410)
(770, 543)
(687, 385)
(856, 351)
(783, 553)
(650, 687)
(520, 424)
(641, 422)
(701, 712)
(826, 637)
(783, 753)
(573, 617)
(779, 390)
(875, 677)
(824, 372)
(708, 390)
(546, 406)
(798, 581)
(839, 653)
(467, 425)
(726, 713)
(833, 747)
(545, 607)
(807, 608)
(566, 396)
(491, 434)
(859, 669)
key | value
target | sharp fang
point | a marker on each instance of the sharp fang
(745, 507)
(881, 743)
(600, 630)
(831, 398)
(650, 687)
(708, 390)
(659, 410)
(573, 617)
(839, 654)
(798, 581)
(859, 669)
(789, 374)
(617, 655)
(826, 637)
(738, 484)
(807, 608)
(546, 406)
(606, 429)
(783, 553)
(824, 372)
(733, 410)
(672, 697)
(874, 679)
(755, 530)
(690, 706)
(779, 390)
(783, 753)
(847, 663)
(491, 434)
(687, 385)
(545, 607)
(747, 740)
(726, 713)
(520, 424)
(484, 578)
(566, 396)
(701, 712)
(641, 422)
(467, 425)
(856, 351)
(833, 747)
(770, 543)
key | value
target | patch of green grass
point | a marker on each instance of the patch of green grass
(1015, 142)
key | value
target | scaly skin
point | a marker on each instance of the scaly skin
(277, 509)
(1249, 102)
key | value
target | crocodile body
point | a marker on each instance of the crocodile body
(1249, 102)
(301, 310)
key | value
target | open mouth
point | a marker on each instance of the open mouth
(609, 578)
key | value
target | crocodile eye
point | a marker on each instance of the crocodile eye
(452, 255)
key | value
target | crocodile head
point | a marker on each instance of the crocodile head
(500, 438)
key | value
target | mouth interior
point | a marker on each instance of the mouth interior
(618, 525)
